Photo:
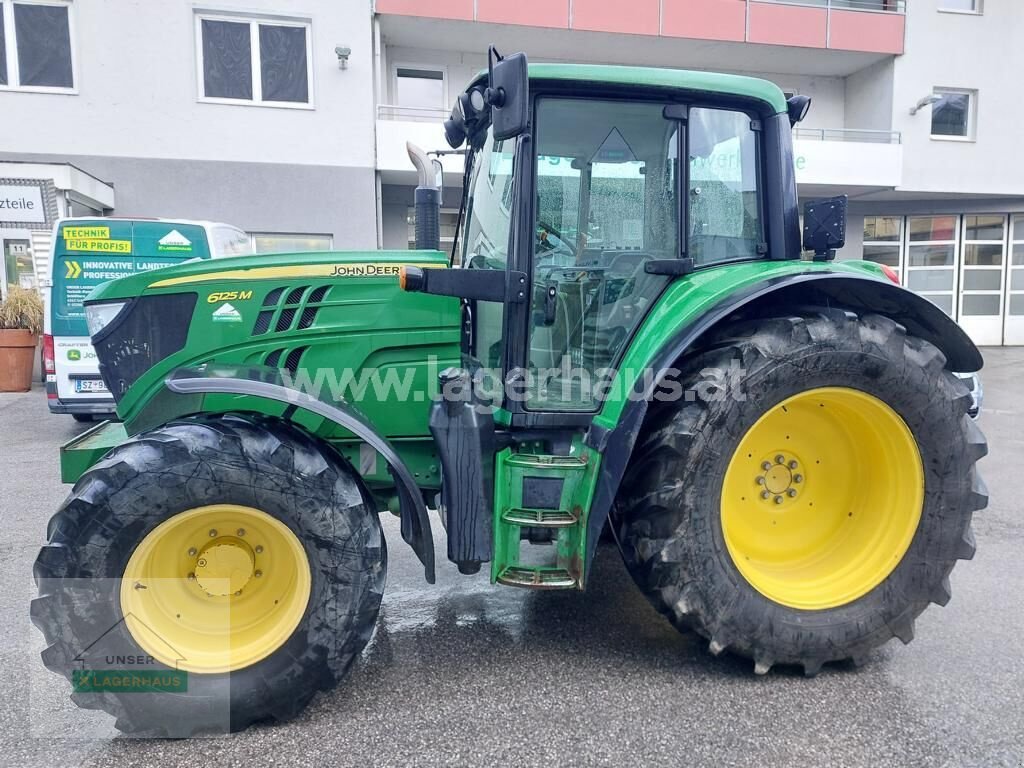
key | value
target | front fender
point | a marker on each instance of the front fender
(267, 384)
(856, 291)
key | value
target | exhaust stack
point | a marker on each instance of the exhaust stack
(428, 198)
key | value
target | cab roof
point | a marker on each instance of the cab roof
(684, 79)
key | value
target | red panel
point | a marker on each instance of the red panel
(787, 25)
(527, 13)
(434, 9)
(705, 19)
(862, 31)
(638, 17)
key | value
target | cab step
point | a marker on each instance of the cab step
(540, 504)
(540, 518)
(537, 577)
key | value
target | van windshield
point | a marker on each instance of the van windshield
(89, 252)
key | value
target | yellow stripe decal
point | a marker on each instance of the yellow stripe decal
(378, 269)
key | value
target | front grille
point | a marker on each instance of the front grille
(150, 329)
(296, 310)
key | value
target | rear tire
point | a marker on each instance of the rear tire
(160, 476)
(669, 516)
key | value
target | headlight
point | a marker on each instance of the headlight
(99, 316)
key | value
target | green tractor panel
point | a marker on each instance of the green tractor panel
(620, 340)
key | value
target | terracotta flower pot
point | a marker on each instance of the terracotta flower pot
(17, 353)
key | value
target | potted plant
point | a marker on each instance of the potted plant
(21, 322)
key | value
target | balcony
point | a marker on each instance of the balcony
(866, 26)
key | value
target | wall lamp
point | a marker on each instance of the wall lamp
(928, 100)
(343, 52)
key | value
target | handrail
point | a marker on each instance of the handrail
(865, 135)
(874, 6)
(415, 114)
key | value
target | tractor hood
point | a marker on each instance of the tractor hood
(339, 316)
(257, 267)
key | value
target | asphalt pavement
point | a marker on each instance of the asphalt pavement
(465, 674)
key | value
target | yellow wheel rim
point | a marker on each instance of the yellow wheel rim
(822, 498)
(215, 589)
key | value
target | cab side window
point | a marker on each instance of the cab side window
(724, 217)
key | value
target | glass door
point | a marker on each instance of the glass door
(931, 263)
(981, 278)
(1013, 329)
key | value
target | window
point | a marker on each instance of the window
(1015, 294)
(931, 259)
(254, 61)
(419, 87)
(953, 114)
(607, 204)
(36, 51)
(882, 241)
(961, 6)
(982, 269)
(724, 216)
(274, 242)
(229, 241)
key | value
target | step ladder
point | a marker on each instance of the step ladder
(546, 492)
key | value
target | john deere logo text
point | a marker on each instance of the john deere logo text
(365, 270)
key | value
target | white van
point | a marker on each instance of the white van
(90, 251)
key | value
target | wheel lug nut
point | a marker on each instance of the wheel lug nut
(760, 480)
(778, 499)
(766, 465)
(257, 574)
(780, 459)
(241, 531)
(793, 465)
(191, 577)
(765, 494)
(798, 478)
(213, 533)
(259, 548)
(202, 562)
(792, 492)
(192, 551)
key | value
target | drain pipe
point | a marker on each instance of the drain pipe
(428, 199)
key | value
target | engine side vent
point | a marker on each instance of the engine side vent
(273, 358)
(295, 311)
(291, 363)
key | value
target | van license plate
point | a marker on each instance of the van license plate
(94, 386)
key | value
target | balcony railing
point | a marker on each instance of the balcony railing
(412, 114)
(881, 6)
(864, 135)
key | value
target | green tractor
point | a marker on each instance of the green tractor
(620, 341)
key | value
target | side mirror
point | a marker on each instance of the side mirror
(508, 94)
(797, 108)
(825, 227)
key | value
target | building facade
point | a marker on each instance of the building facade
(290, 118)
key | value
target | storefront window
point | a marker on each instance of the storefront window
(931, 259)
(272, 242)
(882, 241)
(982, 269)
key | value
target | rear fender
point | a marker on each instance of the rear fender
(190, 385)
(856, 292)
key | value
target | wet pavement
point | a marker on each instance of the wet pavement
(464, 674)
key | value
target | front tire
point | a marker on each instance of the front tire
(237, 551)
(717, 520)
